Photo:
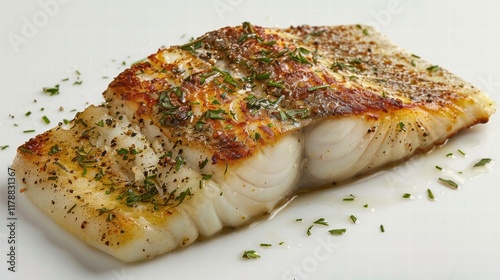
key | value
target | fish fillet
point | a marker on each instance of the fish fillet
(218, 132)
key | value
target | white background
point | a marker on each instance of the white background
(455, 237)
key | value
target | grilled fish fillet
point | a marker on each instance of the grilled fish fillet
(217, 132)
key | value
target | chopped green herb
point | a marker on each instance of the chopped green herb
(448, 182)
(250, 254)
(28, 113)
(338, 231)
(406, 195)
(180, 198)
(51, 90)
(321, 221)
(412, 62)
(257, 136)
(179, 162)
(281, 243)
(353, 218)
(275, 84)
(401, 126)
(365, 32)
(382, 228)
(365, 206)
(430, 195)
(415, 56)
(482, 162)
(309, 230)
(433, 68)
(263, 76)
(350, 198)
(78, 72)
(439, 167)
(265, 245)
(4, 147)
(100, 123)
(77, 83)
(54, 150)
(29, 131)
(298, 220)
(206, 176)
(449, 154)
(202, 164)
(46, 119)
(318, 87)
(65, 80)
(461, 152)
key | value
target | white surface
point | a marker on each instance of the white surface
(456, 237)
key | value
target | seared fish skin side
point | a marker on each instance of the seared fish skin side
(217, 132)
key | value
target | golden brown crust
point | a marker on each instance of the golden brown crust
(275, 81)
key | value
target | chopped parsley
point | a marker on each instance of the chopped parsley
(482, 162)
(250, 254)
(430, 195)
(448, 182)
(51, 90)
(321, 221)
(338, 231)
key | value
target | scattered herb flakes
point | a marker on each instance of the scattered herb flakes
(353, 218)
(321, 221)
(365, 32)
(265, 245)
(54, 150)
(382, 228)
(433, 68)
(51, 90)
(449, 154)
(461, 152)
(401, 126)
(298, 220)
(365, 206)
(407, 195)
(309, 230)
(430, 195)
(29, 131)
(27, 114)
(448, 182)
(281, 243)
(250, 254)
(350, 198)
(4, 147)
(337, 231)
(438, 167)
(46, 120)
(78, 82)
(482, 162)
(65, 80)
(318, 87)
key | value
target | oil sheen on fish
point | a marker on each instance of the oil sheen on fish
(215, 133)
